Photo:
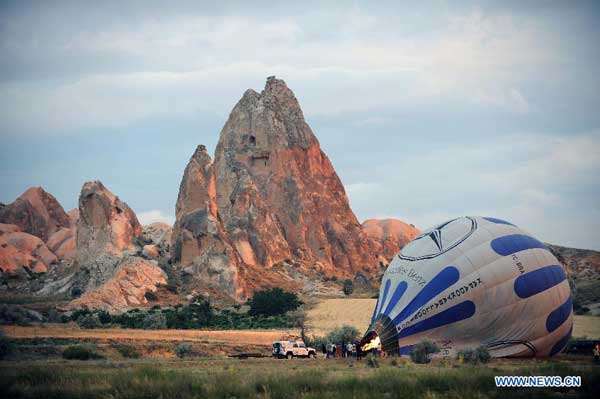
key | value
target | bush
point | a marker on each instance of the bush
(474, 356)
(172, 288)
(154, 321)
(343, 334)
(89, 321)
(273, 302)
(76, 292)
(421, 352)
(80, 352)
(151, 296)
(127, 351)
(348, 287)
(182, 350)
(6, 346)
(104, 317)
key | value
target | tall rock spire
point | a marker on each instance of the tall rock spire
(267, 142)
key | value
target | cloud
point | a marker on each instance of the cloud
(542, 182)
(154, 216)
(184, 63)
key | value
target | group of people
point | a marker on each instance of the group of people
(343, 350)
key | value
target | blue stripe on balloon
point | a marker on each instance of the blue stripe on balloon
(559, 315)
(498, 221)
(398, 292)
(375, 311)
(539, 280)
(459, 312)
(386, 289)
(439, 283)
(508, 245)
(561, 343)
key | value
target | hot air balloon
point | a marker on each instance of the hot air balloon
(470, 282)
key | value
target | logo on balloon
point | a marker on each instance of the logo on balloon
(439, 240)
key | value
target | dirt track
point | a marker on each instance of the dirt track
(252, 337)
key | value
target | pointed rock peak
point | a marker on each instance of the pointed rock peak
(36, 212)
(201, 155)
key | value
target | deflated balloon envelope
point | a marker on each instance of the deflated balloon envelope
(474, 281)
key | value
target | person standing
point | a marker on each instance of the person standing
(358, 351)
(324, 350)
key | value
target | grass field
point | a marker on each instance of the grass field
(270, 378)
(36, 368)
(331, 313)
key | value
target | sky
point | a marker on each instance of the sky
(427, 111)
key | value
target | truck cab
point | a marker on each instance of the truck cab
(291, 349)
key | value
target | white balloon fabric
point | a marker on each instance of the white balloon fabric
(475, 281)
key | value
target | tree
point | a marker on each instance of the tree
(348, 287)
(343, 334)
(421, 352)
(273, 302)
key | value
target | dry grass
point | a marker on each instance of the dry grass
(588, 326)
(253, 337)
(331, 313)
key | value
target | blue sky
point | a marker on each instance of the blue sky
(427, 111)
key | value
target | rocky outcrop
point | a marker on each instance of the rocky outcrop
(271, 197)
(200, 243)
(106, 230)
(35, 212)
(22, 251)
(8, 228)
(64, 242)
(276, 187)
(391, 235)
(158, 234)
(126, 289)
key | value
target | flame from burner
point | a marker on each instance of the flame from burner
(375, 343)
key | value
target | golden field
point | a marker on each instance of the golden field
(331, 313)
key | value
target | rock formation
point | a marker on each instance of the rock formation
(200, 243)
(391, 235)
(106, 230)
(126, 289)
(19, 250)
(158, 234)
(35, 212)
(295, 203)
(271, 196)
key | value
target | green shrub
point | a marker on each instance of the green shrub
(104, 317)
(183, 349)
(421, 352)
(6, 346)
(127, 351)
(80, 352)
(151, 296)
(172, 288)
(474, 356)
(89, 321)
(343, 334)
(76, 292)
(154, 321)
(348, 287)
(273, 302)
